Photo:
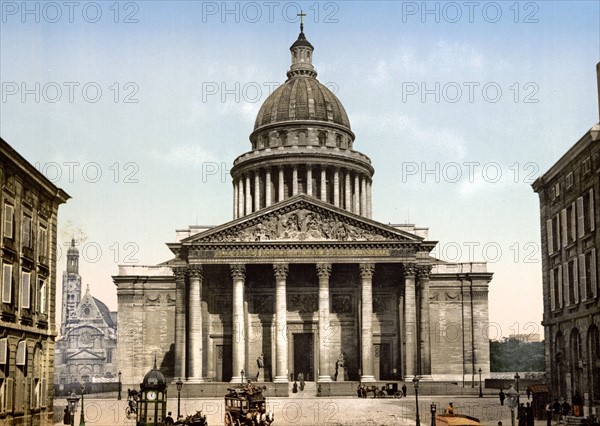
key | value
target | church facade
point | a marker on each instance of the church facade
(86, 349)
(303, 280)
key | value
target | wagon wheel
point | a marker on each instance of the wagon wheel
(380, 394)
(398, 395)
(229, 420)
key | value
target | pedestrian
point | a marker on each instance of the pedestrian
(450, 409)
(67, 417)
(301, 380)
(502, 397)
(556, 410)
(549, 413)
(403, 389)
(521, 415)
(529, 419)
(528, 392)
(319, 390)
(565, 408)
(295, 387)
(169, 420)
(577, 404)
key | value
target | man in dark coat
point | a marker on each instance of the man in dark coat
(502, 396)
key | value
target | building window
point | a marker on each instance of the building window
(569, 224)
(555, 193)
(9, 213)
(569, 183)
(42, 299)
(42, 243)
(586, 166)
(26, 227)
(556, 296)
(25, 290)
(586, 222)
(587, 265)
(322, 138)
(572, 282)
(338, 141)
(556, 232)
(7, 283)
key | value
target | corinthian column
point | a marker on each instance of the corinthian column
(268, 187)
(309, 187)
(363, 196)
(180, 342)
(248, 196)
(356, 208)
(280, 188)
(235, 200)
(238, 274)
(410, 321)
(347, 192)
(257, 190)
(323, 183)
(294, 179)
(324, 272)
(369, 201)
(281, 370)
(423, 275)
(195, 332)
(366, 336)
(336, 187)
(240, 197)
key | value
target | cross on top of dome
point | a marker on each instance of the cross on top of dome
(302, 55)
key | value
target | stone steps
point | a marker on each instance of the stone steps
(310, 390)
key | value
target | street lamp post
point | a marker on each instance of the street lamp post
(179, 385)
(480, 391)
(416, 384)
(82, 418)
(72, 401)
(120, 387)
(433, 409)
(513, 402)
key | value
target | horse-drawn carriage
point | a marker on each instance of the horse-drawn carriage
(389, 389)
(246, 405)
(197, 419)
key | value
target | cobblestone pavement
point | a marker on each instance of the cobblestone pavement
(314, 411)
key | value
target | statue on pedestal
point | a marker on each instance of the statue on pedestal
(260, 363)
(340, 369)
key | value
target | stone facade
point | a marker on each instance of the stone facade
(569, 207)
(303, 276)
(29, 208)
(86, 350)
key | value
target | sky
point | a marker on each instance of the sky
(137, 109)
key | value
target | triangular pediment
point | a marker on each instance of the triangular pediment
(83, 355)
(301, 219)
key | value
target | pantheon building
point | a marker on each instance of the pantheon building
(303, 280)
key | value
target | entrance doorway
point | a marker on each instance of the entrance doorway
(304, 356)
(223, 355)
(382, 361)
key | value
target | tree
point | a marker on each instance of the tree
(512, 354)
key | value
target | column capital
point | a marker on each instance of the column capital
(410, 270)
(238, 271)
(179, 272)
(367, 270)
(323, 270)
(423, 271)
(309, 166)
(194, 271)
(281, 270)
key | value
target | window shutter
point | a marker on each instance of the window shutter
(43, 391)
(33, 403)
(592, 217)
(22, 353)
(549, 240)
(560, 287)
(582, 280)
(594, 282)
(7, 283)
(552, 295)
(566, 284)
(575, 282)
(25, 290)
(573, 220)
(580, 217)
(8, 221)
(3, 351)
(563, 226)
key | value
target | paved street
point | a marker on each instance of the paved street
(316, 411)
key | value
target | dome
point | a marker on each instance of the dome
(154, 379)
(72, 251)
(302, 98)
